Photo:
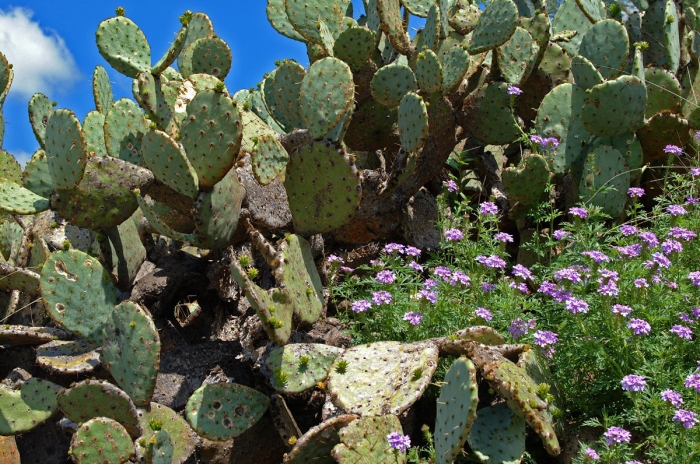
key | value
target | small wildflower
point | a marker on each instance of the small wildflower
(693, 381)
(335, 259)
(386, 277)
(639, 283)
(393, 248)
(672, 397)
(513, 90)
(492, 261)
(443, 272)
(617, 435)
(673, 150)
(676, 210)
(428, 295)
(450, 185)
(596, 256)
(413, 317)
(639, 326)
(635, 192)
(681, 233)
(521, 287)
(649, 238)
(569, 273)
(460, 277)
(695, 278)
(687, 418)
(621, 310)
(454, 235)
(628, 230)
(548, 288)
(685, 318)
(634, 383)
(689, 200)
(579, 212)
(488, 207)
(661, 260)
(346, 269)
(398, 441)
(415, 266)
(560, 234)
(521, 271)
(682, 331)
(412, 251)
(544, 339)
(503, 237)
(487, 287)
(608, 289)
(537, 139)
(430, 284)
(518, 328)
(671, 246)
(382, 297)
(484, 313)
(576, 305)
(590, 455)
(361, 306)
(695, 171)
(553, 141)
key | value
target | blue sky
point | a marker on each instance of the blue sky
(52, 47)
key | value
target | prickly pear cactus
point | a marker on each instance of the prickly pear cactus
(68, 357)
(28, 407)
(157, 417)
(101, 440)
(298, 367)
(362, 441)
(498, 435)
(318, 442)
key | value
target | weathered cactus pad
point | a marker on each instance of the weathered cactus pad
(97, 398)
(162, 450)
(68, 357)
(78, 293)
(498, 435)
(318, 442)
(40, 110)
(456, 409)
(22, 410)
(364, 440)
(184, 440)
(9, 453)
(323, 187)
(391, 24)
(131, 351)
(301, 365)
(487, 116)
(222, 411)
(269, 159)
(125, 126)
(24, 335)
(217, 211)
(304, 15)
(101, 440)
(36, 176)
(382, 377)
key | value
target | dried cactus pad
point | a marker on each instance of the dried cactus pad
(318, 442)
(78, 293)
(101, 440)
(365, 440)
(22, 410)
(97, 398)
(222, 411)
(68, 357)
(383, 377)
(496, 25)
(183, 438)
(9, 453)
(302, 365)
(498, 435)
(131, 350)
(25, 335)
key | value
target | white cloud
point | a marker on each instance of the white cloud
(41, 61)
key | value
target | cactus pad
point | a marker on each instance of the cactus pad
(209, 55)
(604, 113)
(364, 440)
(15, 199)
(9, 453)
(171, 53)
(222, 411)
(498, 435)
(488, 117)
(212, 135)
(24, 335)
(14, 278)
(68, 357)
(496, 25)
(277, 16)
(10, 240)
(382, 377)
(184, 440)
(429, 72)
(606, 46)
(6, 76)
(216, 212)
(569, 17)
(318, 204)
(659, 130)
(318, 442)
(302, 365)
(93, 126)
(9, 168)
(516, 57)
(101, 440)
(481, 334)
(128, 253)
(30, 406)
(97, 398)
(199, 27)
(36, 176)
(392, 25)
(584, 73)
(66, 149)
(456, 409)
(392, 82)
(413, 122)
(125, 126)
(354, 46)
(123, 45)
(326, 95)
(40, 110)
(299, 278)
(102, 90)
(306, 14)
(286, 86)
(269, 159)
(78, 293)
(373, 126)
(455, 63)
(131, 351)
(169, 164)
(663, 91)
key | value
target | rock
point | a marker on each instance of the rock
(418, 218)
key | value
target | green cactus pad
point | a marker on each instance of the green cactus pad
(660, 30)
(157, 96)
(304, 15)
(606, 46)
(169, 164)
(102, 90)
(302, 365)
(430, 35)
(269, 159)
(222, 411)
(36, 176)
(663, 91)
(391, 24)
(10, 240)
(171, 53)
(392, 82)
(593, 9)
(97, 398)
(429, 72)
(93, 126)
(10, 169)
(556, 63)
(212, 135)
(413, 122)
(516, 57)
(327, 39)
(6, 76)
(418, 7)
(24, 335)
(209, 55)
(125, 126)
(101, 440)
(277, 15)
(160, 449)
(65, 280)
(496, 25)
(68, 357)
(513, 383)
(373, 126)
(584, 73)
(526, 184)
(537, 368)
(287, 84)
(463, 17)
(66, 149)
(382, 377)
(259, 107)
(156, 215)
(199, 27)
(487, 115)
(40, 110)
(659, 130)
(30, 406)
(455, 63)
(300, 279)
(559, 116)
(364, 440)
(321, 206)
(123, 45)
(253, 129)
(128, 253)
(15, 199)
(267, 92)
(131, 350)
(326, 95)
(184, 440)
(498, 435)
(569, 17)
(604, 113)
(456, 409)
(318, 442)
(105, 197)
(216, 212)
(354, 46)
(629, 147)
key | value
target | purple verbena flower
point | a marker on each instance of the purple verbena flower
(521, 271)
(450, 185)
(492, 261)
(335, 259)
(589, 454)
(390, 248)
(681, 233)
(672, 397)
(560, 234)
(690, 200)
(634, 383)
(608, 289)
(487, 287)
(513, 90)
(415, 266)
(412, 251)
(576, 305)
(639, 326)
(687, 418)
(616, 435)
(695, 278)
(635, 192)
(695, 171)
(649, 238)
(579, 212)
(460, 277)
(597, 256)
(398, 441)
(346, 269)
(676, 210)
(430, 284)
(673, 150)
(484, 313)
(685, 318)
(503, 237)
(488, 207)
(544, 339)
(386, 277)
(443, 272)
(413, 317)
(693, 381)
(381, 297)
(548, 288)
(639, 283)
(682, 331)
(361, 306)
(518, 328)
(568, 273)
(621, 310)
(427, 295)
(454, 235)
(671, 246)
(629, 251)
(628, 230)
